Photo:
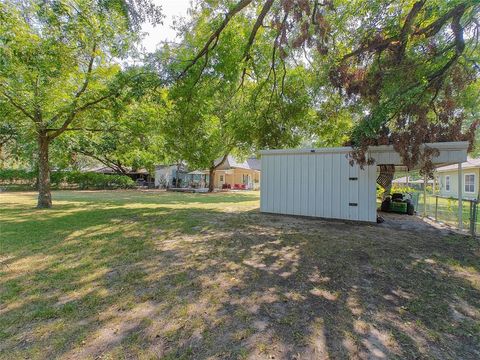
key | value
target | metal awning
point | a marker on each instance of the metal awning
(448, 153)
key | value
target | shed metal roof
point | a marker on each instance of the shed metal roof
(450, 152)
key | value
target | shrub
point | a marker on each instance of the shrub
(13, 175)
(83, 180)
(91, 180)
(396, 188)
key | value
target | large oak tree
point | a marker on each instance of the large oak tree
(58, 65)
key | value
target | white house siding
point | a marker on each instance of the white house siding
(454, 183)
(162, 175)
(317, 184)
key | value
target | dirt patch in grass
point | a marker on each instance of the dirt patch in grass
(179, 276)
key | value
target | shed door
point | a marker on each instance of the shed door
(362, 193)
(353, 188)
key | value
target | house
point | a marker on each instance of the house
(167, 176)
(323, 183)
(447, 179)
(140, 176)
(232, 174)
(235, 174)
(407, 181)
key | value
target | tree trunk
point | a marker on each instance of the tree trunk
(211, 172)
(44, 194)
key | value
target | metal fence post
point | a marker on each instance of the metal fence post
(473, 216)
(436, 207)
(424, 195)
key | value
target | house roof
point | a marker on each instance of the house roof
(172, 166)
(469, 164)
(107, 170)
(254, 164)
(403, 180)
(232, 163)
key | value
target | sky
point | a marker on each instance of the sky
(171, 9)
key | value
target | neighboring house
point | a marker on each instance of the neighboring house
(232, 174)
(236, 174)
(139, 175)
(447, 178)
(166, 176)
(414, 184)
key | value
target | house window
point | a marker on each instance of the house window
(469, 183)
(447, 183)
(221, 178)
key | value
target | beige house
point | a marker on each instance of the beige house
(233, 174)
(447, 179)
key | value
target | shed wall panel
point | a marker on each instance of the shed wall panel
(282, 185)
(297, 187)
(318, 184)
(345, 188)
(290, 187)
(312, 168)
(336, 189)
(327, 186)
(276, 183)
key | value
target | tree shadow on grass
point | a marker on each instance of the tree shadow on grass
(201, 283)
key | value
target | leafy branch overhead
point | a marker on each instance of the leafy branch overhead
(404, 64)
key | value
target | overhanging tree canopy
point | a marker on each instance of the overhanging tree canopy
(404, 64)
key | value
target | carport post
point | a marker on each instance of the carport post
(460, 196)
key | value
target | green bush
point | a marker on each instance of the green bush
(13, 175)
(91, 180)
(82, 180)
(396, 188)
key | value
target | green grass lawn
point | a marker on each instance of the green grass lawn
(131, 274)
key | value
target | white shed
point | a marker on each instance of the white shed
(322, 183)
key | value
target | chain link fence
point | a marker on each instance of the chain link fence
(445, 210)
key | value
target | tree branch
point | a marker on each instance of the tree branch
(266, 8)
(19, 107)
(216, 34)
(112, 164)
(429, 31)
(407, 28)
(88, 73)
(84, 129)
(74, 113)
(437, 25)
(80, 91)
